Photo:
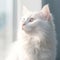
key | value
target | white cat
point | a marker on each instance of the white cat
(36, 39)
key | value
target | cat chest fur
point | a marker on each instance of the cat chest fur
(30, 47)
(33, 47)
(36, 42)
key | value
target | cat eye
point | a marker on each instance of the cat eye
(31, 19)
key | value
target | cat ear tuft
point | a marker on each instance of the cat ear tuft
(46, 12)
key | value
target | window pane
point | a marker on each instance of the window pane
(6, 18)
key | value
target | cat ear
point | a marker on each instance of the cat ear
(46, 12)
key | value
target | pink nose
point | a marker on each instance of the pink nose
(23, 26)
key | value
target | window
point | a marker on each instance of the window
(6, 25)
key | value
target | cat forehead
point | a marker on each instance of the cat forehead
(26, 17)
(37, 15)
(34, 15)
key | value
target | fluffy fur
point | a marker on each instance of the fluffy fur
(36, 38)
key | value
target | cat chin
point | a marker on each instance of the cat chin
(25, 30)
(28, 30)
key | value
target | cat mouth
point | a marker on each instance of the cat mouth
(26, 29)
(23, 28)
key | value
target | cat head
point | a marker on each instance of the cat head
(37, 21)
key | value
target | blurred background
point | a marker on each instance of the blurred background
(6, 25)
(11, 12)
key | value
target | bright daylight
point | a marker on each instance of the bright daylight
(29, 30)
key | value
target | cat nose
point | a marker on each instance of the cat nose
(23, 26)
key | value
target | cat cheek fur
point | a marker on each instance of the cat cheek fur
(32, 27)
(27, 28)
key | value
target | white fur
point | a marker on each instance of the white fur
(36, 42)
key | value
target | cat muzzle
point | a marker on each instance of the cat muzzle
(23, 26)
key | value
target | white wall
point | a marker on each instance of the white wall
(31, 6)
